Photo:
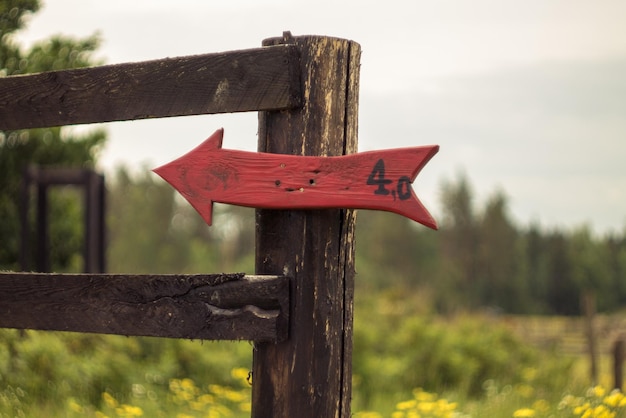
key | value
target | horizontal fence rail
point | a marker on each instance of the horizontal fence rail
(58, 175)
(206, 306)
(265, 78)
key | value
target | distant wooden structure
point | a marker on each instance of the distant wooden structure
(41, 179)
(618, 363)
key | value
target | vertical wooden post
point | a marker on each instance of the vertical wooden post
(101, 228)
(25, 254)
(43, 229)
(588, 300)
(93, 247)
(309, 375)
(618, 363)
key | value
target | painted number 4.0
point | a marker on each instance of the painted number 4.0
(377, 178)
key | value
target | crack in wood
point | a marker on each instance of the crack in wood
(254, 310)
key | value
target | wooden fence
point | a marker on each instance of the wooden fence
(299, 306)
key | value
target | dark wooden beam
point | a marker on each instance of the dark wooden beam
(255, 79)
(95, 229)
(309, 375)
(209, 307)
(58, 175)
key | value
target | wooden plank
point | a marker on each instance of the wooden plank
(309, 375)
(211, 307)
(58, 175)
(234, 81)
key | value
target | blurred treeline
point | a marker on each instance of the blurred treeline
(478, 259)
(481, 258)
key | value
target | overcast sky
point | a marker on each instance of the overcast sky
(528, 97)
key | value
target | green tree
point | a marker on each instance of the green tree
(591, 268)
(459, 236)
(562, 297)
(392, 250)
(498, 258)
(616, 249)
(53, 146)
(534, 266)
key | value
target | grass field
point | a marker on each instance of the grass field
(405, 367)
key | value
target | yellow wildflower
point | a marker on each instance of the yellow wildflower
(206, 399)
(613, 399)
(601, 411)
(444, 406)
(217, 389)
(597, 391)
(524, 413)
(406, 405)
(367, 414)
(188, 384)
(109, 400)
(426, 407)
(582, 408)
(75, 406)
(129, 411)
(235, 396)
(240, 373)
(422, 396)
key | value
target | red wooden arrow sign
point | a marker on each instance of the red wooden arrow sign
(379, 180)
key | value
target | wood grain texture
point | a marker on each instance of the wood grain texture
(309, 375)
(211, 307)
(235, 81)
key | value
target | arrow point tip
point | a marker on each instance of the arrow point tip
(428, 221)
(162, 171)
(206, 213)
(431, 222)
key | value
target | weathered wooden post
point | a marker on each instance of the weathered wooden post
(588, 302)
(309, 375)
(618, 363)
